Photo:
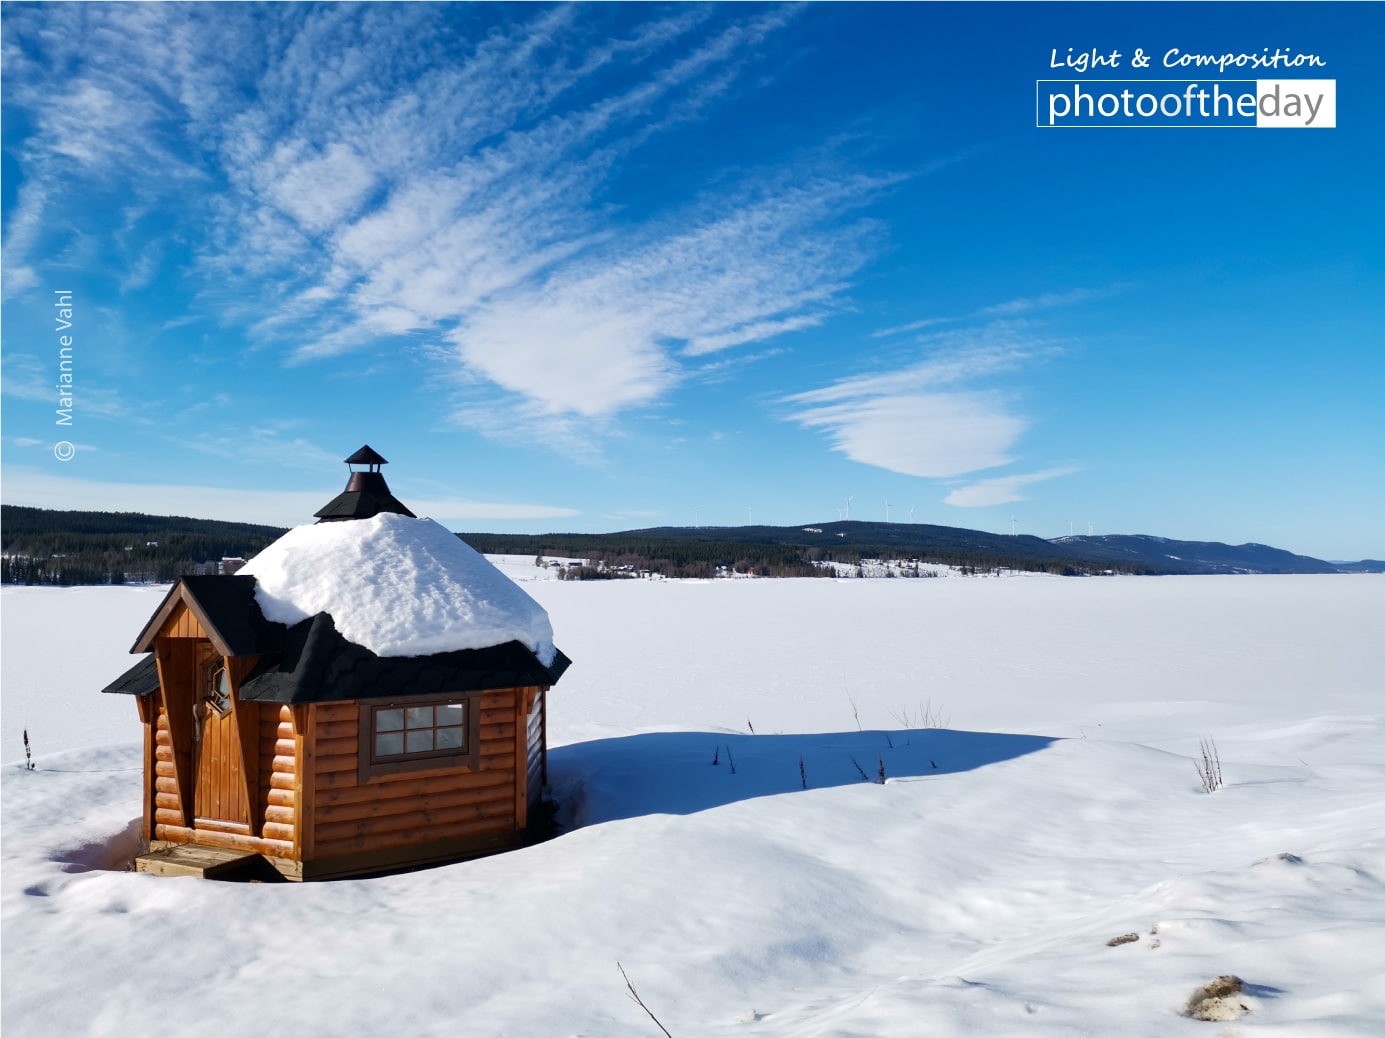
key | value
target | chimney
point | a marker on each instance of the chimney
(366, 492)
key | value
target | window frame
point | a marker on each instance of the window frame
(464, 758)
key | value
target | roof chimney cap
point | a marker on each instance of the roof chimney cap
(366, 493)
(367, 455)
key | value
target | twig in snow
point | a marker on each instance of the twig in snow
(635, 997)
(730, 759)
(860, 770)
(802, 772)
(716, 756)
(28, 757)
(927, 717)
(750, 726)
(854, 712)
(881, 758)
(1209, 767)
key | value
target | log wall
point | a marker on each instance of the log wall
(536, 749)
(275, 805)
(351, 818)
(313, 813)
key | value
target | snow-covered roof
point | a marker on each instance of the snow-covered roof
(398, 586)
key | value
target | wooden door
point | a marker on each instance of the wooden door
(219, 790)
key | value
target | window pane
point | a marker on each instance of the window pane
(420, 742)
(388, 744)
(449, 714)
(449, 738)
(389, 720)
(420, 717)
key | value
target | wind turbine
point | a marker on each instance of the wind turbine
(887, 509)
(848, 507)
(1012, 525)
(911, 515)
(750, 515)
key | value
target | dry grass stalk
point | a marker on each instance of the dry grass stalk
(1209, 767)
(635, 996)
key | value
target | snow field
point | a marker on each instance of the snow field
(974, 892)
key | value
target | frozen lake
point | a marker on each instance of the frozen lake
(973, 893)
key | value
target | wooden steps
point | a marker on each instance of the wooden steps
(202, 862)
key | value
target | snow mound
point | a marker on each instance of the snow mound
(398, 587)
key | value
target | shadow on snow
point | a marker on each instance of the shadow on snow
(683, 772)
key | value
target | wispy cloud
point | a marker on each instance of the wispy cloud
(602, 334)
(1051, 299)
(1011, 308)
(941, 416)
(380, 173)
(721, 370)
(260, 444)
(930, 418)
(913, 326)
(1000, 490)
(33, 487)
(26, 377)
(21, 234)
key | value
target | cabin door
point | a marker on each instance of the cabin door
(219, 790)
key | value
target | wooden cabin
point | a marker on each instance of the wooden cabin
(291, 742)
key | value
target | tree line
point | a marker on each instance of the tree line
(44, 546)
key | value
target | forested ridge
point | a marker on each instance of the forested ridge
(773, 551)
(43, 546)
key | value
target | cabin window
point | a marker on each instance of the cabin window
(413, 734)
(218, 692)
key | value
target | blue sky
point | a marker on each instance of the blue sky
(602, 267)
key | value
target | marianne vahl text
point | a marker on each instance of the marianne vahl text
(62, 326)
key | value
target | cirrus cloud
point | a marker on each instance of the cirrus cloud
(1001, 490)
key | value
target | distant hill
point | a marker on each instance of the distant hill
(1364, 566)
(849, 542)
(1193, 556)
(42, 546)
(790, 550)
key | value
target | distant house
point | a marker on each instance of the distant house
(368, 693)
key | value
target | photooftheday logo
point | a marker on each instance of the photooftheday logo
(1262, 103)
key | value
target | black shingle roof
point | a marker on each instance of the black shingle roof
(362, 504)
(317, 664)
(311, 662)
(226, 606)
(140, 680)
